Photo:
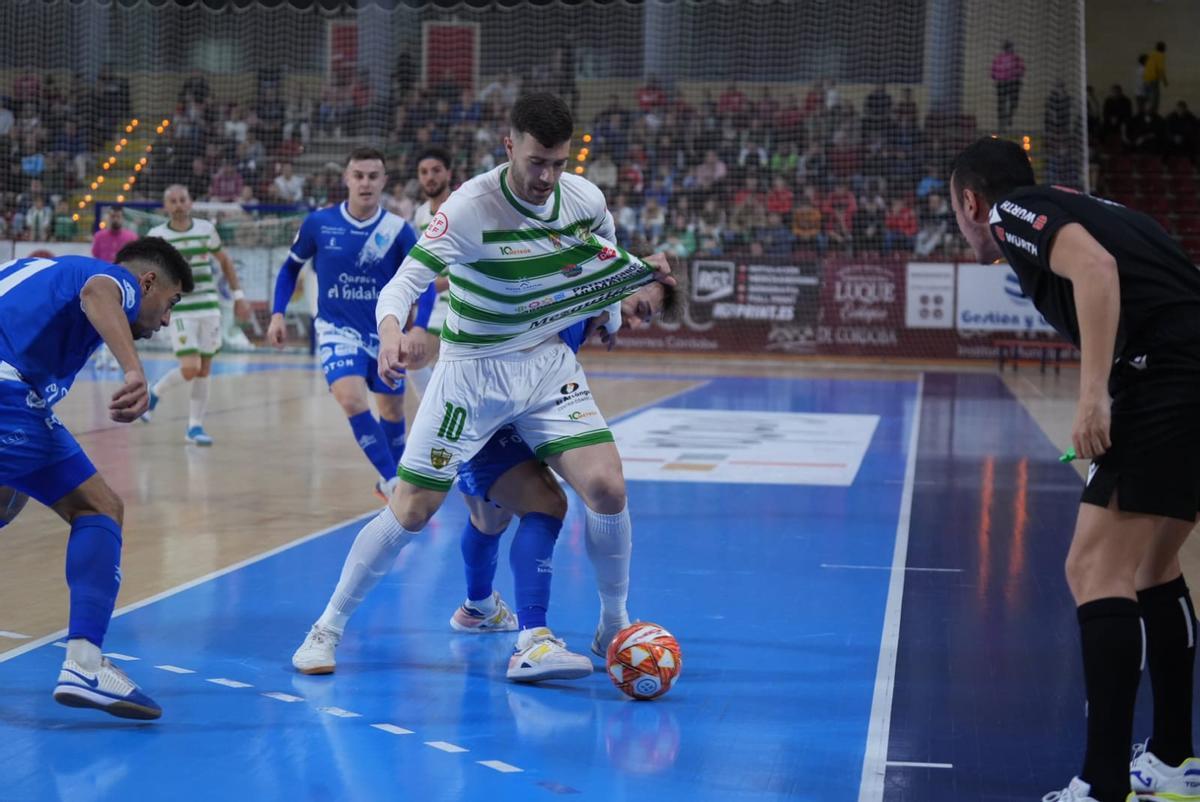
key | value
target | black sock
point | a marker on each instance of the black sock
(1111, 633)
(1171, 655)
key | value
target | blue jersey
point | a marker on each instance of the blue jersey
(573, 336)
(353, 260)
(45, 337)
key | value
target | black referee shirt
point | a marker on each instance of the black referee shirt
(1160, 287)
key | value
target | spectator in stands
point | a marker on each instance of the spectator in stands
(1118, 112)
(806, 221)
(935, 227)
(562, 74)
(777, 239)
(503, 91)
(7, 119)
(1147, 132)
(785, 160)
(931, 182)
(39, 219)
(651, 96)
(288, 187)
(66, 228)
(1154, 76)
(247, 197)
(1182, 131)
(610, 137)
(753, 156)
(1008, 69)
(298, 117)
(227, 184)
(71, 145)
(113, 100)
(1057, 120)
(603, 173)
(811, 167)
(711, 172)
(780, 199)
(732, 103)
(194, 89)
(837, 210)
(870, 218)
(877, 112)
(900, 227)
(270, 110)
(113, 236)
(653, 220)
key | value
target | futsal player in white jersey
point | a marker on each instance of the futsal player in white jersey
(196, 322)
(527, 259)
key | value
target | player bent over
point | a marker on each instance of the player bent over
(54, 313)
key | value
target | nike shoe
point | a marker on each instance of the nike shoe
(107, 689)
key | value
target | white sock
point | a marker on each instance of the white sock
(370, 558)
(609, 545)
(172, 378)
(199, 401)
(419, 379)
(84, 653)
(486, 606)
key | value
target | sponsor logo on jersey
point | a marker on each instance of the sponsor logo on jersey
(439, 457)
(128, 294)
(556, 240)
(1020, 242)
(568, 388)
(579, 414)
(438, 226)
(15, 439)
(1040, 222)
(606, 254)
(1019, 212)
(509, 250)
(571, 271)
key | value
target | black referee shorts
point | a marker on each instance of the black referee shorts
(1154, 463)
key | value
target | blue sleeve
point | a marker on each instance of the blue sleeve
(131, 289)
(304, 247)
(573, 336)
(425, 306)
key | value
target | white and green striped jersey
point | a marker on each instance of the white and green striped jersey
(422, 217)
(518, 275)
(198, 245)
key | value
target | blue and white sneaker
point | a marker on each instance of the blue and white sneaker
(198, 437)
(148, 415)
(108, 690)
(1153, 779)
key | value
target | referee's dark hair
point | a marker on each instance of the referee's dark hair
(435, 153)
(991, 167)
(159, 253)
(543, 115)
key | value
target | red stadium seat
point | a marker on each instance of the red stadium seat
(1119, 163)
(1148, 185)
(1188, 226)
(1119, 183)
(1154, 204)
(1186, 204)
(1180, 165)
(1183, 184)
(1149, 164)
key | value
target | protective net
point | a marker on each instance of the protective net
(792, 154)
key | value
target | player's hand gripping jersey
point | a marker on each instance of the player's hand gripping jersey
(517, 276)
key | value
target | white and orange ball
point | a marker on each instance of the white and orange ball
(644, 660)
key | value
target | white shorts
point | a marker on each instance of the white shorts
(196, 335)
(542, 392)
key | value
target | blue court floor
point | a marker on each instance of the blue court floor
(781, 596)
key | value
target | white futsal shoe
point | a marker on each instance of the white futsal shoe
(107, 689)
(1079, 791)
(541, 656)
(315, 655)
(471, 619)
(1153, 779)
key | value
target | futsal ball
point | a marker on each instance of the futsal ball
(644, 660)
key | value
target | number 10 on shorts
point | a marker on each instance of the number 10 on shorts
(452, 423)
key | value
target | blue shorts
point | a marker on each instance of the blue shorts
(505, 450)
(339, 360)
(38, 456)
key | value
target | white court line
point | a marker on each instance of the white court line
(4, 633)
(175, 669)
(889, 568)
(875, 759)
(60, 644)
(123, 657)
(909, 765)
(393, 729)
(129, 608)
(446, 747)
(339, 712)
(499, 765)
(230, 683)
(283, 697)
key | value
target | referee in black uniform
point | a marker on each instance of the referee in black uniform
(1111, 281)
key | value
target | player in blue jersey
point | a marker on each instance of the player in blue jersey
(54, 313)
(356, 247)
(506, 479)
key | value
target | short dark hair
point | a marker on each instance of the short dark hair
(543, 115)
(162, 254)
(365, 154)
(435, 153)
(991, 167)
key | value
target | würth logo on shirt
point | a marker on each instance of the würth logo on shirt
(1019, 212)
